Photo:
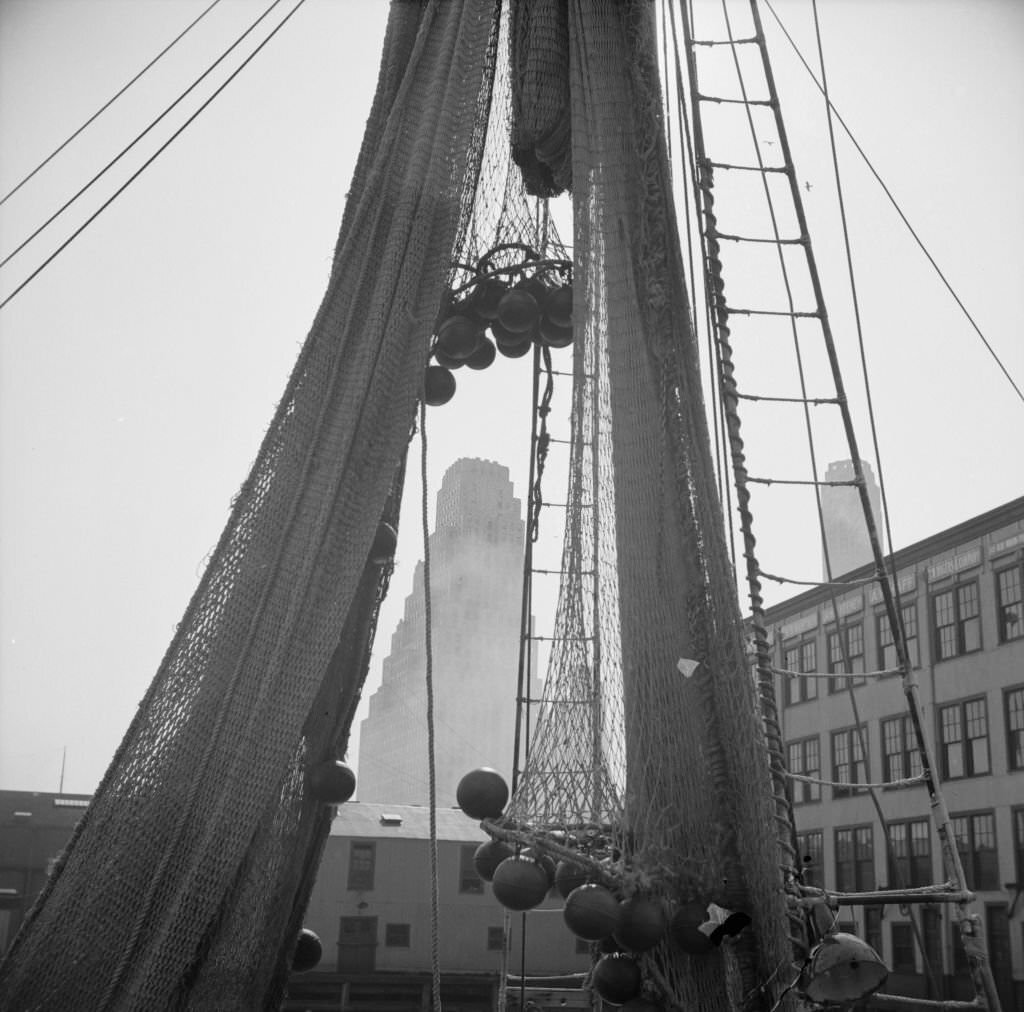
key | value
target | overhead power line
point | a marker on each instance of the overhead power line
(103, 108)
(56, 214)
(149, 161)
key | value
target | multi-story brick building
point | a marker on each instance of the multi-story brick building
(961, 600)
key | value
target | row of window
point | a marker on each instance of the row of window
(955, 630)
(909, 856)
(399, 936)
(963, 748)
(362, 861)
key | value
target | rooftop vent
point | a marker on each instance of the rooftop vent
(390, 819)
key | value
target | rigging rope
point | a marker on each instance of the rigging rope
(435, 905)
(899, 210)
(106, 105)
(149, 161)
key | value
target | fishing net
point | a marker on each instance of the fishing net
(185, 881)
(649, 756)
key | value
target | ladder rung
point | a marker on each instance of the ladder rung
(559, 639)
(566, 505)
(944, 893)
(947, 1005)
(750, 168)
(799, 241)
(722, 42)
(559, 572)
(787, 400)
(567, 442)
(861, 582)
(797, 481)
(835, 674)
(796, 314)
(734, 101)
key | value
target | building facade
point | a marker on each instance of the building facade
(34, 829)
(961, 602)
(371, 907)
(476, 563)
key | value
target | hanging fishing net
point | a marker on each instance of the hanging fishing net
(186, 880)
(649, 758)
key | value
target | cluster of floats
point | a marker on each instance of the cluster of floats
(510, 301)
(583, 869)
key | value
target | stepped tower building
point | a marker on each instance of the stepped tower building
(476, 570)
(845, 530)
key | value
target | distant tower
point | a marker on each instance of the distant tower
(846, 532)
(476, 573)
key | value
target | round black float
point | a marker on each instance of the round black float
(457, 337)
(385, 541)
(482, 793)
(558, 306)
(591, 912)
(616, 979)
(488, 856)
(486, 296)
(569, 875)
(518, 310)
(308, 951)
(484, 354)
(519, 883)
(331, 782)
(642, 923)
(438, 385)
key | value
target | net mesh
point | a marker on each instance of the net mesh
(665, 760)
(184, 882)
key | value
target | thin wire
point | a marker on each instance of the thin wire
(145, 165)
(56, 214)
(899, 210)
(103, 108)
(435, 959)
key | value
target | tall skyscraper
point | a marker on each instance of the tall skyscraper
(476, 568)
(846, 532)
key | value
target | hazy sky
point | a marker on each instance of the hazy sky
(138, 372)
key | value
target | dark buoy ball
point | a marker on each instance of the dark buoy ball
(482, 793)
(546, 862)
(385, 541)
(591, 912)
(438, 385)
(685, 929)
(518, 310)
(308, 951)
(642, 923)
(555, 336)
(488, 856)
(486, 295)
(484, 354)
(331, 782)
(457, 337)
(515, 350)
(519, 883)
(558, 306)
(569, 875)
(643, 1005)
(616, 979)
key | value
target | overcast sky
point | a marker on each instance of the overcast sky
(138, 372)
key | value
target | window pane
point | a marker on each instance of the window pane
(1015, 728)
(360, 867)
(945, 625)
(1011, 613)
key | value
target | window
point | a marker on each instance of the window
(360, 866)
(1009, 604)
(799, 657)
(886, 660)
(396, 936)
(804, 758)
(964, 739)
(975, 836)
(850, 640)
(911, 856)
(469, 880)
(873, 927)
(495, 939)
(810, 853)
(957, 621)
(1013, 702)
(1018, 842)
(855, 859)
(900, 757)
(849, 759)
(931, 929)
(903, 948)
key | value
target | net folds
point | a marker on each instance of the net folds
(188, 873)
